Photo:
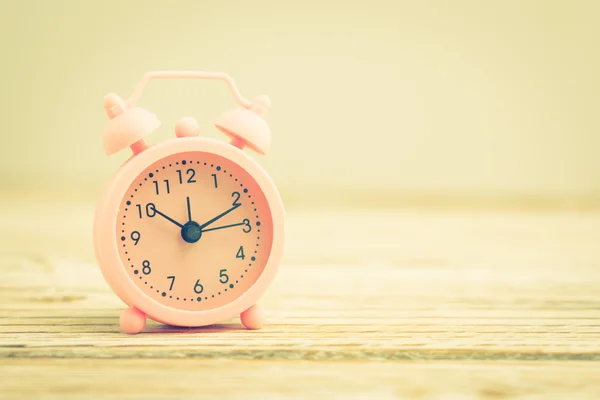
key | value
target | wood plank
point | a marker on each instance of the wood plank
(264, 379)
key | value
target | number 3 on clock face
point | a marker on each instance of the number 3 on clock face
(194, 231)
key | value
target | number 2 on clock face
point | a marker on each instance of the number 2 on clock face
(195, 231)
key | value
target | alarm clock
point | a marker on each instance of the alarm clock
(189, 232)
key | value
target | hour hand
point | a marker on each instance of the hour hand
(167, 218)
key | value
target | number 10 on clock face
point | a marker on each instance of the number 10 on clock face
(194, 230)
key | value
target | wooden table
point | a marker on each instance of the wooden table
(414, 303)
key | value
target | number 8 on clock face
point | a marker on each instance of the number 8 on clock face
(195, 231)
(189, 231)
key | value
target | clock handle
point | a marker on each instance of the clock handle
(137, 93)
(245, 127)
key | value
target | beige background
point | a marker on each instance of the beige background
(374, 102)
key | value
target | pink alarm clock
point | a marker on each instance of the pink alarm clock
(189, 232)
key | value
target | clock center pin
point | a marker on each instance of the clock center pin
(191, 232)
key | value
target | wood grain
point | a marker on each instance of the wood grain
(276, 379)
(416, 303)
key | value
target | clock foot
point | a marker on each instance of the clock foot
(132, 321)
(253, 318)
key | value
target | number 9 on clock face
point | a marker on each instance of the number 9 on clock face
(194, 231)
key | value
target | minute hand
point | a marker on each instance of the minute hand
(219, 216)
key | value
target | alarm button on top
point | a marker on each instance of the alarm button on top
(187, 127)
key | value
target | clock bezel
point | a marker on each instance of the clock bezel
(106, 240)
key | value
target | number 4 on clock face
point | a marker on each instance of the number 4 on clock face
(240, 253)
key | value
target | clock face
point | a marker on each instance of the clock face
(194, 231)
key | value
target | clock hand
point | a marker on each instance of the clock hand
(223, 227)
(168, 218)
(224, 213)
(189, 209)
